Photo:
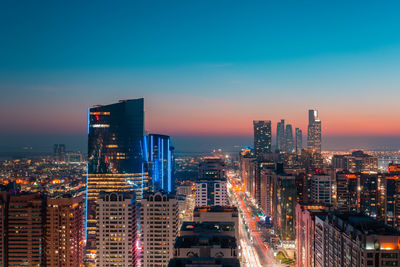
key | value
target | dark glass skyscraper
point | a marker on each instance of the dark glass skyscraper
(159, 157)
(262, 137)
(280, 136)
(298, 140)
(289, 138)
(115, 156)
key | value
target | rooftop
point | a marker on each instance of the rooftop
(205, 240)
(208, 227)
(216, 209)
(201, 261)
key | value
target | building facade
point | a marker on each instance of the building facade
(262, 137)
(116, 230)
(160, 221)
(314, 131)
(64, 234)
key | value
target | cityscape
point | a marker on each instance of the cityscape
(199, 134)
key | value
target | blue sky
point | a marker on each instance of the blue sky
(198, 63)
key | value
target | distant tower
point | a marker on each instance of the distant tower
(314, 131)
(262, 137)
(280, 136)
(59, 152)
(298, 140)
(289, 138)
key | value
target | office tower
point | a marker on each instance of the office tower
(115, 161)
(284, 206)
(314, 131)
(289, 138)
(211, 168)
(266, 172)
(159, 159)
(298, 140)
(211, 192)
(116, 236)
(64, 231)
(218, 214)
(25, 242)
(247, 166)
(59, 152)
(262, 137)
(280, 136)
(159, 219)
(347, 192)
(305, 229)
(355, 240)
(321, 189)
(372, 195)
(206, 244)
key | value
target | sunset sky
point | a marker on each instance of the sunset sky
(205, 68)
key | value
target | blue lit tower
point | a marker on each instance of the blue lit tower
(115, 161)
(159, 158)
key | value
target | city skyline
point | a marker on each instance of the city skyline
(209, 79)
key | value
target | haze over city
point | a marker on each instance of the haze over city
(206, 69)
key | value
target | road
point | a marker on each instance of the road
(255, 252)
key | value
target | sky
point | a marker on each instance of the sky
(206, 69)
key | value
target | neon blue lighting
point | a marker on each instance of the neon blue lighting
(145, 152)
(152, 148)
(162, 164)
(88, 121)
(169, 168)
(86, 201)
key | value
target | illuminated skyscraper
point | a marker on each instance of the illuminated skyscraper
(280, 136)
(115, 156)
(298, 140)
(314, 131)
(159, 158)
(289, 138)
(262, 137)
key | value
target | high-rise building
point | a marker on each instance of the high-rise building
(349, 239)
(116, 234)
(159, 158)
(314, 131)
(64, 232)
(262, 137)
(25, 238)
(211, 168)
(285, 206)
(210, 192)
(298, 140)
(59, 152)
(247, 160)
(305, 229)
(347, 192)
(280, 136)
(160, 221)
(3, 229)
(322, 189)
(289, 138)
(115, 156)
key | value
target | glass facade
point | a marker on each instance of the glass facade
(159, 157)
(262, 137)
(115, 160)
